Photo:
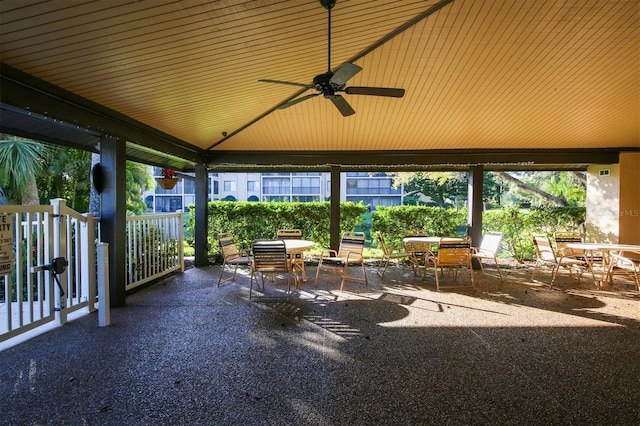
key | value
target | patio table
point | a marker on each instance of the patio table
(294, 246)
(590, 248)
(419, 258)
(431, 240)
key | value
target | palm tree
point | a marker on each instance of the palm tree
(21, 160)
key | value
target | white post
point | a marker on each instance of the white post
(59, 249)
(104, 313)
(180, 237)
(88, 265)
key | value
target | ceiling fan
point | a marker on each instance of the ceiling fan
(329, 84)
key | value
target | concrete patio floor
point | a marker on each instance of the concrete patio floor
(185, 352)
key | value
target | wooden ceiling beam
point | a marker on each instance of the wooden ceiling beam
(506, 159)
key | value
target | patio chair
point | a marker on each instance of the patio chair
(453, 254)
(546, 255)
(561, 239)
(289, 234)
(269, 257)
(349, 253)
(231, 256)
(421, 256)
(297, 257)
(388, 255)
(416, 233)
(625, 263)
(488, 249)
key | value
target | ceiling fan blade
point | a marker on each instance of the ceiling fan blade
(297, 101)
(375, 91)
(290, 83)
(344, 73)
(342, 105)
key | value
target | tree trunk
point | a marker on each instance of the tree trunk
(31, 197)
(551, 199)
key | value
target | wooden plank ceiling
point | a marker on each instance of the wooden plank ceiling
(478, 74)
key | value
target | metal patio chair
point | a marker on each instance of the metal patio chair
(297, 257)
(349, 253)
(232, 256)
(453, 254)
(489, 247)
(388, 255)
(546, 255)
(269, 257)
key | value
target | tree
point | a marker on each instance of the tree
(443, 187)
(139, 180)
(29, 168)
(21, 161)
(553, 188)
(66, 177)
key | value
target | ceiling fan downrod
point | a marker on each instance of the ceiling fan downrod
(328, 4)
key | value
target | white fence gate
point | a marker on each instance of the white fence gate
(47, 266)
(36, 242)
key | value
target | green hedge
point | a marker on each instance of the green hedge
(516, 225)
(250, 220)
(393, 222)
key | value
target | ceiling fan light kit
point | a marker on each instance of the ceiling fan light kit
(330, 83)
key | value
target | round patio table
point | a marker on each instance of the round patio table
(430, 240)
(603, 247)
(296, 246)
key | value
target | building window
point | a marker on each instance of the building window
(189, 186)
(230, 186)
(372, 186)
(253, 185)
(305, 185)
(274, 185)
(168, 204)
(305, 198)
(276, 198)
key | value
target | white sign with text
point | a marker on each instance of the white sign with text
(6, 244)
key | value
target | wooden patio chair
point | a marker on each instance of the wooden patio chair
(546, 255)
(489, 247)
(349, 253)
(232, 256)
(625, 263)
(388, 255)
(297, 257)
(270, 257)
(453, 254)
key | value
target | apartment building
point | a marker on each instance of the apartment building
(373, 189)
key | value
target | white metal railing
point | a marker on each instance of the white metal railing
(29, 294)
(155, 247)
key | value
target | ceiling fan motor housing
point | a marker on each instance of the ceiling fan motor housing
(328, 4)
(322, 83)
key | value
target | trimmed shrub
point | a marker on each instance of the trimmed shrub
(247, 221)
